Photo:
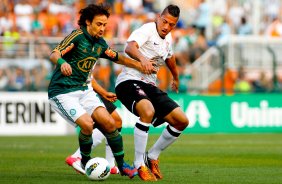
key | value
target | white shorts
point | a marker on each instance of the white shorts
(74, 104)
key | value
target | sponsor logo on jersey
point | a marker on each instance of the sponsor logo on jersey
(86, 64)
(109, 52)
(67, 49)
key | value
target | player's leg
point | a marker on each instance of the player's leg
(145, 110)
(177, 123)
(166, 110)
(69, 107)
(79, 159)
(109, 154)
(136, 101)
(111, 108)
(107, 125)
(97, 137)
(74, 159)
(85, 122)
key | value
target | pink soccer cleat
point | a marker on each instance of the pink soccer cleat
(114, 170)
(75, 163)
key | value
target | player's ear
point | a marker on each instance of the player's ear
(158, 15)
(88, 23)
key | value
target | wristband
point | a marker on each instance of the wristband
(60, 61)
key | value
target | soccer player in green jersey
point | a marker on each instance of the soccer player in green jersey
(74, 160)
(68, 92)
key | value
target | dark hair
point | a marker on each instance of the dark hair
(172, 10)
(91, 11)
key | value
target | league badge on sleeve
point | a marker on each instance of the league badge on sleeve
(67, 49)
(110, 53)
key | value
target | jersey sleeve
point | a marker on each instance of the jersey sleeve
(140, 35)
(68, 43)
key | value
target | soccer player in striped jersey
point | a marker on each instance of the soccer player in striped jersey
(68, 92)
(108, 98)
(143, 98)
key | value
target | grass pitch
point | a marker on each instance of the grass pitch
(204, 158)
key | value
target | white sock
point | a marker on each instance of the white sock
(109, 155)
(97, 137)
(76, 154)
(140, 143)
(163, 142)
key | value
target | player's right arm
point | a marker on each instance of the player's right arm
(138, 38)
(132, 50)
(56, 58)
(66, 45)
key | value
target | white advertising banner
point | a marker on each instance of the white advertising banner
(29, 113)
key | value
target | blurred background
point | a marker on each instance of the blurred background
(229, 59)
(222, 47)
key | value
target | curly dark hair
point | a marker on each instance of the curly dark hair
(91, 11)
(172, 10)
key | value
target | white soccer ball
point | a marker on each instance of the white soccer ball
(97, 169)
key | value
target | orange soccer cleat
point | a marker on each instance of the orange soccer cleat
(154, 166)
(145, 174)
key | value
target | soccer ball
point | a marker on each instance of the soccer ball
(97, 169)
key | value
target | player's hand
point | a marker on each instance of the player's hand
(175, 85)
(112, 97)
(148, 66)
(66, 69)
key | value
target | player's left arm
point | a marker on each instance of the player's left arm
(171, 64)
(122, 59)
(112, 97)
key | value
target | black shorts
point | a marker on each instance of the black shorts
(132, 91)
(109, 105)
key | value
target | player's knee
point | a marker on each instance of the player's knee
(110, 126)
(118, 122)
(147, 115)
(185, 122)
(87, 128)
(85, 122)
(181, 123)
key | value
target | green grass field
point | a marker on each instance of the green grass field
(196, 158)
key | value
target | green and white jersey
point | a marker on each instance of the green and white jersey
(81, 51)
